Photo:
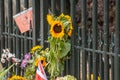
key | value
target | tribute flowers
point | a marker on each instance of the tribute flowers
(60, 32)
(52, 58)
(37, 53)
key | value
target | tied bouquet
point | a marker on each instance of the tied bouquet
(31, 60)
(60, 32)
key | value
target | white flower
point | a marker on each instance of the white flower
(4, 55)
(2, 60)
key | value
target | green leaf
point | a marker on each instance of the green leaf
(65, 49)
(2, 74)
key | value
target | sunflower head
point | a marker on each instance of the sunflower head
(57, 29)
(43, 61)
(35, 48)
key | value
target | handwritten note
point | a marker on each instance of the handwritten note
(24, 20)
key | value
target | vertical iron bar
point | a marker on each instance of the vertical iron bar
(30, 41)
(89, 55)
(10, 23)
(75, 57)
(23, 41)
(117, 42)
(72, 62)
(94, 24)
(22, 52)
(17, 43)
(28, 47)
(84, 70)
(79, 51)
(112, 57)
(36, 20)
(26, 34)
(101, 64)
(62, 5)
(26, 4)
(10, 29)
(106, 39)
(43, 22)
(53, 5)
(2, 24)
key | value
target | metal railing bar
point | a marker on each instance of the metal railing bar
(17, 35)
(97, 51)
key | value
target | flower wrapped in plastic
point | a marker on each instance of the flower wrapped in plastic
(60, 32)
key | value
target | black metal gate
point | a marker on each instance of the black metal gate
(95, 41)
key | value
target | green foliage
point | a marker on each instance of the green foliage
(65, 49)
(4, 72)
(30, 72)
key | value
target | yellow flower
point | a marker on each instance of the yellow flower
(15, 77)
(68, 18)
(70, 31)
(43, 61)
(92, 77)
(62, 15)
(57, 29)
(35, 48)
(50, 19)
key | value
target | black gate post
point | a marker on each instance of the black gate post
(36, 20)
(2, 23)
(43, 23)
(74, 62)
(117, 43)
(84, 71)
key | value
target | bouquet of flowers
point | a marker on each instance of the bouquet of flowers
(52, 58)
(59, 39)
(31, 59)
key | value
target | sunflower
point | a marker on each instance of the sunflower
(43, 61)
(57, 29)
(50, 19)
(15, 77)
(35, 48)
(70, 31)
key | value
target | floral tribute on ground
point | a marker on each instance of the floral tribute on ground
(52, 59)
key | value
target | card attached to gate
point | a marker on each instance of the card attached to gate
(24, 20)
